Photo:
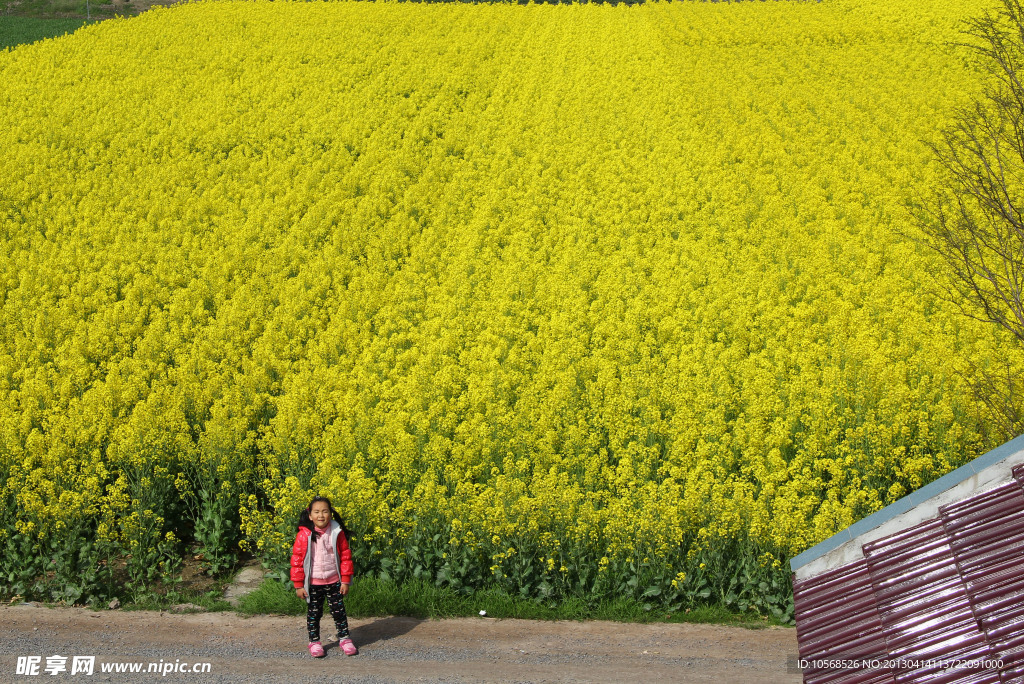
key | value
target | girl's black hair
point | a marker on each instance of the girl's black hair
(304, 520)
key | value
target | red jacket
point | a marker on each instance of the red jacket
(302, 556)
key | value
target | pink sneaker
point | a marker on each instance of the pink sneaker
(316, 650)
(348, 647)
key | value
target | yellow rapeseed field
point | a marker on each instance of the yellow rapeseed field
(575, 300)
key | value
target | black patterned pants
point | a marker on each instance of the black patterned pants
(336, 603)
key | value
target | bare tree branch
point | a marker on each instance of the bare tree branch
(976, 222)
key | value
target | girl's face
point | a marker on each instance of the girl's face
(320, 514)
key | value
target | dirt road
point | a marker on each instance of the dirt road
(392, 649)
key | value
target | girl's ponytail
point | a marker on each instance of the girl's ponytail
(304, 520)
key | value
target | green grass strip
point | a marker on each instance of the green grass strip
(16, 31)
(373, 598)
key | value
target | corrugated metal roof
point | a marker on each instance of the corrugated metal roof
(987, 538)
(948, 590)
(922, 602)
(836, 619)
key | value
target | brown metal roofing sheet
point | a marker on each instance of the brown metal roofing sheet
(1018, 474)
(948, 588)
(808, 606)
(999, 617)
(982, 500)
(1008, 499)
(1007, 638)
(922, 603)
(849, 635)
(938, 573)
(815, 615)
(911, 561)
(847, 639)
(819, 597)
(963, 641)
(868, 671)
(836, 596)
(997, 525)
(902, 536)
(918, 600)
(949, 677)
(828, 581)
(1003, 533)
(1004, 571)
(836, 617)
(1013, 673)
(987, 540)
(913, 540)
(1011, 653)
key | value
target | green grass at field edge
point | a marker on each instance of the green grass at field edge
(15, 31)
(371, 597)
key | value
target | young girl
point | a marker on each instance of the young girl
(322, 568)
